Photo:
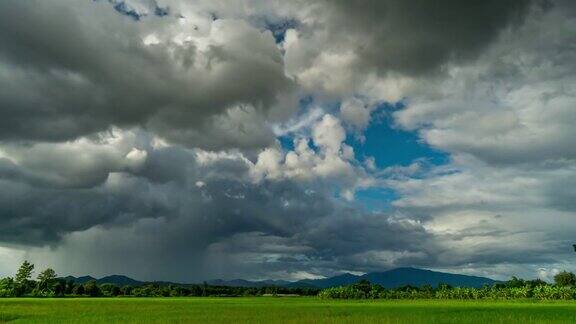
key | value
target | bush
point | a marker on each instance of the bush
(346, 292)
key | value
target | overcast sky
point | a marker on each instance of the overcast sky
(191, 140)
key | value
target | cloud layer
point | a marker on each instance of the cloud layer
(187, 141)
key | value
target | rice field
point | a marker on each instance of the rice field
(279, 310)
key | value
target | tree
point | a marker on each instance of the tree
(427, 288)
(59, 287)
(78, 290)
(7, 287)
(47, 275)
(109, 289)
(536, 282)
(363, 285)
(115, 291)
(23, 284)
(204, 288)
(515, 282)
(564, 279)
(24, 272)
(46, 281)
(92, 289)
(126, 290)
(69, 287)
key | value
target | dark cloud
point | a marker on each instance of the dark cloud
(416, 37)
(72, 68)
(179, 210)
(512, 106)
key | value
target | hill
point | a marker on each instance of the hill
(118, 280)
(341, 280)
(79, 280)
(418, 277)
(389, 279)
(401, 277)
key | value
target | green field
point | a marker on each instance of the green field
(286, 309)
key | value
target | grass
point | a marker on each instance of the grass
(285, 310)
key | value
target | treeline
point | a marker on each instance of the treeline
(47, 284)
(564, 288)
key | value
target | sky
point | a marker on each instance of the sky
(268, 139)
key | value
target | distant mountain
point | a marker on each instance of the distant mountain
(299, 284)
(341, 280)
(232, 283)
(418, 277)
(80, 280)
(118, 280)
(389, 279)
(248, 283)
(279, 283)
(121, 280)
(401, 277)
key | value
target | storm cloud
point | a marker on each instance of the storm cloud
(74, 68)
(225, 139)
(176, 203)
(417, 37)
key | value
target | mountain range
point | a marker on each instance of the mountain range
(389, 279)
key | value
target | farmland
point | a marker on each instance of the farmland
(279, 309)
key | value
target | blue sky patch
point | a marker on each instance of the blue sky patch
(375, 199)
(279, 29)
(391, 146)
(123, 8)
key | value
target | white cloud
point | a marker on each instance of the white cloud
(332, 163)
(356, 113)
(85, 162)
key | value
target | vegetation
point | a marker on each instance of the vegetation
(565, 279)
(279, 310)
(49, 285)
(512, 289)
